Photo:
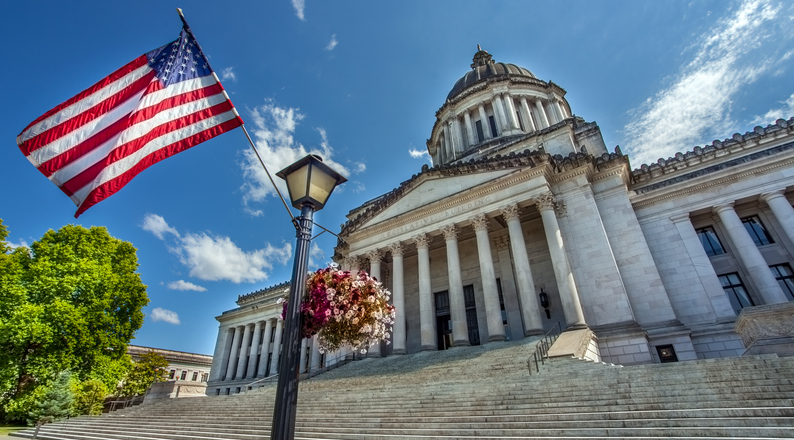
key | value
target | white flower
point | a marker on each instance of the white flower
(330, 291)
(328, 312)
(355, 320)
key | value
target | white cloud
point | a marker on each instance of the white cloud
(185, 285)
(316, 255)
(417, 154)
(22, 243)
(299, 6)
(359, 167)
(156, 225)
(784, 112)
(357, 186)
(228, 74)
(160, 314)
(273, 131)
(697, 106)
(214, 257)
(332, 44)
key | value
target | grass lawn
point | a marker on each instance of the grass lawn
(4, 430)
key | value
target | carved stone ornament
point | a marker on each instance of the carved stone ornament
(545, 201)
(374, 256)
(510, 212)
(422, 240)
(502, 243)
(450, 232)
(353, 263)
(396, 249)
(766, 322)
(480, 222)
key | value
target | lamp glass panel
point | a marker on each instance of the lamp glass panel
(321, 185)
(296, 183)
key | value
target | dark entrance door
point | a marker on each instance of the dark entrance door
(443, 321)
(471, 315)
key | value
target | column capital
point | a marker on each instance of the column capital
(374, 256)
(502, 243)
(422, 241)
(396, 249)
(450, 232)
(678, 218)
(545, 202)
(766, 197)
(480, 222)
(510, 212)
(722, 208)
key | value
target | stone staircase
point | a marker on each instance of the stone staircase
(484, 393)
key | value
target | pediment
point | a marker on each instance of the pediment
(436, 188)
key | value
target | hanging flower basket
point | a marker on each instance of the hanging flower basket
(343, 309)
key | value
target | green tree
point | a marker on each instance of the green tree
(71, 302)
(55, 402)
(90, 397)
(150, 368)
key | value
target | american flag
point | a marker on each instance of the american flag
(160, 104)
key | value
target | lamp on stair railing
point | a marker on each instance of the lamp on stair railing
(310, 183)
(544, 301)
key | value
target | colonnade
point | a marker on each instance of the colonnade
(530, 311)
(744, 249)
(460, 130)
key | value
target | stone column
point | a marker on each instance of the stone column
(511, 112)
(782, 209)
(427, 318)
(253, 354)
(569, 296)
(220, 358)
(398, 299)
(375, 258)
(265, 349)
(449, 147)
(498, 111)
(702, 265)
(238, 333)
(486, 127)
(276, 347)
(560, 109)
(241, 363)
(543, 120)
(457, 303)
(304, 347)
(551, 113)
(493, 311)
(750, 257)
(529, 125)
(315, 362)
(470, 128)
(461, 140)
(530, 312)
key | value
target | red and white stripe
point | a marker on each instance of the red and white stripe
(94, 143)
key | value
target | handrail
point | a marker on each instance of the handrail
(542, 348)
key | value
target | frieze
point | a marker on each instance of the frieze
(262, 293)
(699, 155)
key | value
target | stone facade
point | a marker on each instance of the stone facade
(524, 200)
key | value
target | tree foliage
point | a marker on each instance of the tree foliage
(90, 397)
(71, 302)
(150, 368)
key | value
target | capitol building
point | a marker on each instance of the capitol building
(526, 221)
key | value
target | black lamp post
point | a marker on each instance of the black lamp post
(310, 183)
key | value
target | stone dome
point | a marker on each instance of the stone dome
(482, 68)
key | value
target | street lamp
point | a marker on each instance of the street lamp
(310, 182)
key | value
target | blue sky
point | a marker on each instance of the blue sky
(359, 82)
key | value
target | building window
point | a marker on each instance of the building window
(183, 376)
(784, 277)
(737, 294)
(710, 241)
(217, 391)
(493, 125)
(480, 134)
(757, 231)
(195, 376)
(205, 377)
(173, 373)
(666, 353)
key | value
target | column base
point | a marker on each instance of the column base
(461, 343)
(576, 327)
(497, 338)
(534, 332)
(428, 348)
(399, 351)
